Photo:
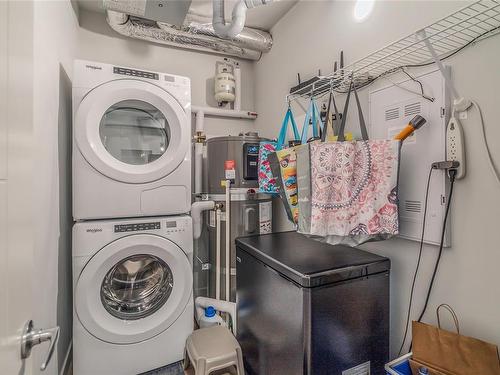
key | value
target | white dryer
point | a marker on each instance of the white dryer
(133, 294)
(131, 142)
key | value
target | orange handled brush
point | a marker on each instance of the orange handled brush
(415, 123)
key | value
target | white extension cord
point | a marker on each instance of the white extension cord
(493, 167)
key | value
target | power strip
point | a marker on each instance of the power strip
(455, 150)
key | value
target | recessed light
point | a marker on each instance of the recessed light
(362, 9)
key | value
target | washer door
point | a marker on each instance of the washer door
(133, 289)
(132, 131)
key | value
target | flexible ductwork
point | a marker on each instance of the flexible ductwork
(252, 39)
(231, 30)
(248, 45)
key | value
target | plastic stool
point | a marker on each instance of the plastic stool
(211, 349)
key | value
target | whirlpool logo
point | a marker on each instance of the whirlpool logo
(94, 230)
(94, 67)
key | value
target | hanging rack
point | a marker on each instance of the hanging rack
(439, 40)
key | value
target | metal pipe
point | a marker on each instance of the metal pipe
(209, 111)
(217, 252)
(228, 240)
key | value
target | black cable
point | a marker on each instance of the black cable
(422, 93)
(452, 174)
(418, 261)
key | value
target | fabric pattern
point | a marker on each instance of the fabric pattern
(284, 167)
(354, 188)
(267, 181)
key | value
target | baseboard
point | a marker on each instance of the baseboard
(68, 359)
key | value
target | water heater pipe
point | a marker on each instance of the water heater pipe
(211, 111)
(200, 139)
(196, 211)
(217, 252)
(228, 239)
(237, 88)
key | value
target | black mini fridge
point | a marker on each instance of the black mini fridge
(305, 307)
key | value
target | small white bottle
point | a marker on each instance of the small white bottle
(210, 318)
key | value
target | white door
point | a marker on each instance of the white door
(16, 186)
(132, 131)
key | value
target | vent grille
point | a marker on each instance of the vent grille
(413, 206)
(391, 114)
(412, 109)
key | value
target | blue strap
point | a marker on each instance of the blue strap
(284, 129)
(313, 116)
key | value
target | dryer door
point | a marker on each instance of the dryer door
(132, 131)
(133, 289)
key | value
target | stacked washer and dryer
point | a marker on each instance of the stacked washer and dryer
(132, 240)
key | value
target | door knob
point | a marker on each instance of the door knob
(32, 337)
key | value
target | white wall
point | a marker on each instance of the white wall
(55, 38)
(310, 37)
(98, 42)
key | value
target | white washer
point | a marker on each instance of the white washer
(131, 142)
(132, 294)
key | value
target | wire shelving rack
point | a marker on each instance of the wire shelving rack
(446, 36)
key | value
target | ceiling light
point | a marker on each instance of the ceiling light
(362, 9)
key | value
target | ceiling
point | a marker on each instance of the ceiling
(263, 17)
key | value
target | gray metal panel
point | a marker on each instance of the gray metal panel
(244, 221)
(170, 11)
(270, 316)
(309, 262)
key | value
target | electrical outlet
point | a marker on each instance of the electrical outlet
(455, 145)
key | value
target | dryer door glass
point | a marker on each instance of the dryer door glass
(134, 132)
(136, 287)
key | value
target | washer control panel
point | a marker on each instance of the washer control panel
(173, 226)
(135, 73)
(137, 227)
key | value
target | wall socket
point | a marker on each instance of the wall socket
(455, 145)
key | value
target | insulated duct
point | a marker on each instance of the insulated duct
(249, 38)
(249, 44)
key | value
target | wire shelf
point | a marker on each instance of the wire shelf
(446, 36)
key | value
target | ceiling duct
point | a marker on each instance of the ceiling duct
(249, 44)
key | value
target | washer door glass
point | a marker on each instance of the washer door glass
(134, 132)
(136, 287)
